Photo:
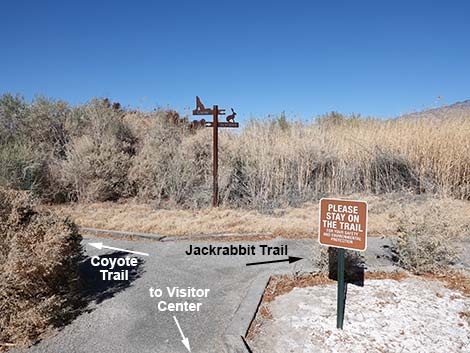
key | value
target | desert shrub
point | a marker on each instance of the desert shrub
(173, 165)
(424, 243)
(41, 141)
(99, 119)
(44, 125)
(98, 151)
(152, 165)
(20, 167)
(39, 256)
(97, 157)
(29, 135)
(94, 170)
(40, 122)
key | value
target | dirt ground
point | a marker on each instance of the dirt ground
(385, 213)
(405, 314)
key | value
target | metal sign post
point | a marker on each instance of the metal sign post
(215, 124)
(215, 157)
(340, 296)
(343, 225)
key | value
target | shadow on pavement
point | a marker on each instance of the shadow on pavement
(354, 267)
(95, 289)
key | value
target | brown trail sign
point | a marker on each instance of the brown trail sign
(343, 225)
(214, 124)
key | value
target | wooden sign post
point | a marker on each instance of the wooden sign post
(343, 225)
(215, 124)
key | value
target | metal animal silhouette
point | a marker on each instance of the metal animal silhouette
(231, 117)
(199, 106)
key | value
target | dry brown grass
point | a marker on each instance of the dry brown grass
(288, 165)
(385, 214)
(453, 279)
(276, 164)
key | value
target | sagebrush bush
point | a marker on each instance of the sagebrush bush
(20, 165)
(13, 114)
(96, 160)
(30, 136)
(39, 258)
(423, 243)
(173, 164)
(94, 170)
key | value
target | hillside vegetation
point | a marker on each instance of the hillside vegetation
(100, 152)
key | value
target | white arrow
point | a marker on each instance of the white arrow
(101, 246)
(185, 340)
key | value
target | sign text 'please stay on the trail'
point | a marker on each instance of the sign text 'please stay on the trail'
(343, 224)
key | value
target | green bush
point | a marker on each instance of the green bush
(19, 165)
(13, 113)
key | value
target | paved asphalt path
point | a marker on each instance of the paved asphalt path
(120, 317)
(123, 317)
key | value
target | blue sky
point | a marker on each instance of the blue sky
(378, 58)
